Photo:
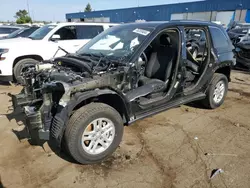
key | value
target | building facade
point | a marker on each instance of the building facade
(209, 10)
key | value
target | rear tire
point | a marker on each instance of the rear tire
(19, 67)
(93, 133)
(216, 92)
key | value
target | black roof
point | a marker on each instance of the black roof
(155, 24)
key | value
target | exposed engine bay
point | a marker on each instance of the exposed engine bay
(70, 74)
(50, 85)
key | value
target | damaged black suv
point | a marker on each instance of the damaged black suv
(126, 73)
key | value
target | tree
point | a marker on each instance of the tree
(88, 8)
(22, 16)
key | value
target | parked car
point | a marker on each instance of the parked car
(18, 53)
(127, 73)
(6, 30)
(236, 34)
(237, 25)
(242, 51)
(23, 32)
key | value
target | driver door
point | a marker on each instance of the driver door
(72, 38)
(161, 99)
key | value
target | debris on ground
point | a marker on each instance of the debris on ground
(237, 124)
(215, 172)
(220, 154)
(239, 79)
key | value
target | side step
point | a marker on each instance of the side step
(168, 105)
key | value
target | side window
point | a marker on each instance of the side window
(219, 38)
(88, 31)
(67, 33)
(27, 32)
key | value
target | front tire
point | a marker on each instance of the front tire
(217, 91)
(93, 133)
(20, 67)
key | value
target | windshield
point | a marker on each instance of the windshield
(42, 32)
(7, 30)
(15, 33)
(117, 42)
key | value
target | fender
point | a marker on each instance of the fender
(60, 120)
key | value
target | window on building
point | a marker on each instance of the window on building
(88, 31)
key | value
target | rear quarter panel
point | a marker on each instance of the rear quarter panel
(224, 55)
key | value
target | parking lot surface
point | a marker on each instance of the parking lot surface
(178, 148)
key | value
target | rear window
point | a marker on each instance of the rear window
(88, 31)
(6, 30)
(219, 38)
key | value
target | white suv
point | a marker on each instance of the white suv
(18, 53)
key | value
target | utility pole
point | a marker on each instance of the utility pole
(28, 7)
(138, 3)
(33, 17)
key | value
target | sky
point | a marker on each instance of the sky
(55, 10)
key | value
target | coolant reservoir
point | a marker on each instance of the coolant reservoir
(43, 66)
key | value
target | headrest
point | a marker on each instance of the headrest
(165, 40)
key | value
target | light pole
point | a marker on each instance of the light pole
(28, 7)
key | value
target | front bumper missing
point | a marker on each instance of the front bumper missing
(33, 118)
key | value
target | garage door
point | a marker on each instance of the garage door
(224, 17)
(204, 16)
(177, 16)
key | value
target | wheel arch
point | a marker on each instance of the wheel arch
(34, 56)
(109, 97)
(226, 70)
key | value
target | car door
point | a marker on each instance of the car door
(85, 33)
(158, 101)
(65, 37)
(204, 74)
(73, 37)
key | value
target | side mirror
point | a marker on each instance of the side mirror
(55, 37)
